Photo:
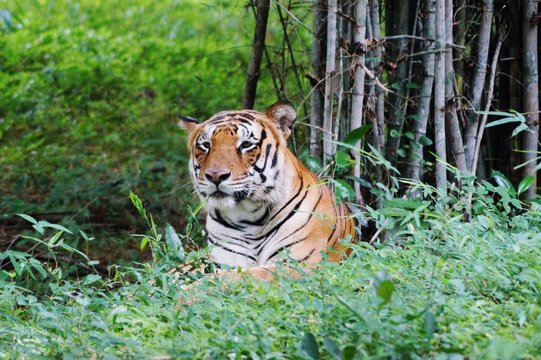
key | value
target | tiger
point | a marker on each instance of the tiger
(263, 205)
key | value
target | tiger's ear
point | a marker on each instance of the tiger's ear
(187, 123)
(283, 115)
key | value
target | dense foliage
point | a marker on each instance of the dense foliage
(90, 94)
(451, 289)
(90, 91)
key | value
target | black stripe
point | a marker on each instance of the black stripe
(307, 256)
(218, 218)
(259, 221)
(215, 243)
(290, 200)
(277, 226)
(277, 252)
(189, 119)
(267, 151)
(303, 225)
(246, 116)
(274, 158)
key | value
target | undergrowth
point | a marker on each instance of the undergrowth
(437, 287)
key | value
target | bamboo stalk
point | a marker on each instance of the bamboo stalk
(357, 97)
(318, 63)
(530, 78)
(454, 133)
(413, 168)
(478, 82)
(439, 99)
(330, 74)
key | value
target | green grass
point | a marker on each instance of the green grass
(440, 287)
(91, 91)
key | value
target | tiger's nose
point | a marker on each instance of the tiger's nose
(217, 176)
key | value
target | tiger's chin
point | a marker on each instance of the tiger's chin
(223, 200)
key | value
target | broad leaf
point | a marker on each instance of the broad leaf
(309, 344)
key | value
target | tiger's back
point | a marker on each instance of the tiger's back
(262, 204)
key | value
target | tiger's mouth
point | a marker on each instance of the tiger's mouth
(219, 194)
(237, 195)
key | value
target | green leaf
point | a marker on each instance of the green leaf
(357, 134)
(174, 245)
(54, 239)
(343, 160)
(394, 133)
(506, 120)
(343, 189)
(36, 265)
(429, 324)
(348, 353)
(503, 181)
(136, 201)
(312, 163)
(309, 344)
(385, 290)
(332, 348)
(362, 182)
(525, 184)
(413, 85)
(402, 204)
(425, 140)
(92, 278)
(522, 127)
(47, 224)
(350, 307)
(144, 242)
(28, 218)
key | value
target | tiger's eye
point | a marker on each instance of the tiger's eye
(245, 144)
(205, 145)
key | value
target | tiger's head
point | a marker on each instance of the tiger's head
(238, 156)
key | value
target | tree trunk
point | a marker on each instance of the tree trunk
(413, 168)
(258, 47)
(454, 133)
(439, 98)
(398, 13)
(318, 66)
(330, 75)
(357, 97)
(379, 125)
(478, 82)
(530, 79)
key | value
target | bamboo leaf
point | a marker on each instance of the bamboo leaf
(28, 218)
(357, 134)
(525, 184)
(506, 120)
(522, 127)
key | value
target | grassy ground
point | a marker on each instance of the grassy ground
(450, 290)
(90, 93)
